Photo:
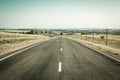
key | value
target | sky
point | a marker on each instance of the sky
(60, 14)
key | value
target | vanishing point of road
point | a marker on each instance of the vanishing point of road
(58, 59)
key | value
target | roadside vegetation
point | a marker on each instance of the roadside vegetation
(11, 40)
(112, 40)
(107, 42)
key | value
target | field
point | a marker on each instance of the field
(11, 41)
(112, 47)
(112, 41)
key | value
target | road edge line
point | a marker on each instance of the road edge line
(23, 49)
(102, 53)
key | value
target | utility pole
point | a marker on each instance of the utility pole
(81, 36)
(106, 37)
(93, 35)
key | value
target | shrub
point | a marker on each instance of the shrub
(102, 37)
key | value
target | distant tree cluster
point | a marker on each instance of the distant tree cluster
(61, 33)
(115, 32)
(35, 31)
(66, 31)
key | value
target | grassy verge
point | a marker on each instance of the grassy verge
(11, 41)
(113, 40)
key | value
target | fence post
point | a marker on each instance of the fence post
(106, 37)
(93, 35)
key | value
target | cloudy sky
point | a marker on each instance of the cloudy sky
(60, 14)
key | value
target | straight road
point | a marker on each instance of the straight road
(58, 59)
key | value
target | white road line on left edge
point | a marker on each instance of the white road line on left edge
(17, 52)
(60, 67)
(61, 49)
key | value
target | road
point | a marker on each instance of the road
(59, 59)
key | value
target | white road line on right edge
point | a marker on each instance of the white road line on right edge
(102, 53)
(60, 67)
(108, 55)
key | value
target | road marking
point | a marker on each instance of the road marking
(100, 52)
(61, 44)
(17, 52)
(61, 49)
(60, 67)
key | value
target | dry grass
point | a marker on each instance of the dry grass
(113, 40)
(11, 41)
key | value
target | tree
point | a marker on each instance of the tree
(102, 37)
(35, 31)
(61, 33)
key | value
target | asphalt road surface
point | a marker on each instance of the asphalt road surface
(59, 59)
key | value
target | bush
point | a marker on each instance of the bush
(35, 31)
(102, 37)
(61, 33)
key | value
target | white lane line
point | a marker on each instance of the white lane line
(60, 67)
(102, 53)
(61, 49)
(17, 52)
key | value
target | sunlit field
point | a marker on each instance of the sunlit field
(10, 41)
(112, 41)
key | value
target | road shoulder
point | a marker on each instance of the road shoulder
(94, 48)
